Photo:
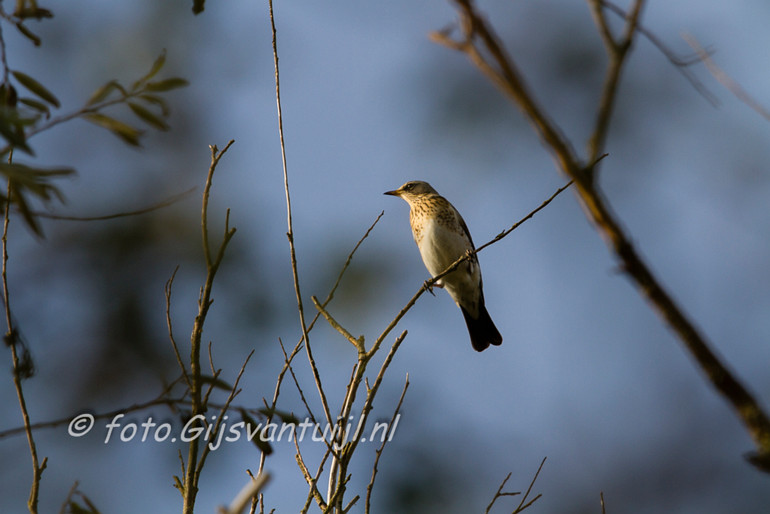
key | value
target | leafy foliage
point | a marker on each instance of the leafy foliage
(22, 117)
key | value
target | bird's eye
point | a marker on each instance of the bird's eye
(409, 187)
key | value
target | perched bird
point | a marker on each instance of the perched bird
(442, 237)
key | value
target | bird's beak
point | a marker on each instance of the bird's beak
(396, 192)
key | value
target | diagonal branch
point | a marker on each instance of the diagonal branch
(501, 70)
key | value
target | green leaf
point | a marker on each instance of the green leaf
(8, 96)
(103, 92)
(124, 131)
(31, 12)
(11, 129)
(156, 67)
(36, 88)
(156, 100)
(28, 180)
(29, 34)
(26, 174)
(148, 116)
(166, 84)
(34, 104)
(26, 213)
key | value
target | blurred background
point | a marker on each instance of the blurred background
(587, 375)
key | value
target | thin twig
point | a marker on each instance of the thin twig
(290, 230)
(370, 487)
(499, 493)
(523, 505)
(616, 51)
(682, 64)
(165, 203)
(197, 404)
(289, 358)
(67, 500)
(12, 339)
(162, 399)
(220, 419)
(358, 343)
(430, 282)
(169, 324)
(724, 79)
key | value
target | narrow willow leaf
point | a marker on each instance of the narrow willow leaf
(36, 88)
(31, 12)
(124, 131)
(148, 116)
(8, 96)
(12, 131)
(103, 92)
(34, 104)
(156, 100)
(24, 174)
(21, 204)
(29, 34)
(166, 85)
(156, 67)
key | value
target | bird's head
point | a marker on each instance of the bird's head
(413, 190)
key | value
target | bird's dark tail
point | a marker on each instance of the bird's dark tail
(482, 330)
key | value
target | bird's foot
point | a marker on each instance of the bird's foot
(429, 287)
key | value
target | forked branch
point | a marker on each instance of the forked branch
(480, 43)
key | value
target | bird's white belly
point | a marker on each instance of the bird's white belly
(439, 248)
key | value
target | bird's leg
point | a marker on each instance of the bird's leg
(429, 287)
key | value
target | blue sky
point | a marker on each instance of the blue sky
(587, 375)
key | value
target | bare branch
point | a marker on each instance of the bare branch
(682, 64)
(724, 79)
(22, 366)
(220, 419)
(358, 343)
(370, 487)
(164, 203)
(290, 231)
(616, 50)
(197, 401)
(599, 212)
(169, 324)
(524, 504)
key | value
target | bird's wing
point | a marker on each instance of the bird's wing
(465, 227)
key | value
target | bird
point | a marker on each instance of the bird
(443, 237)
